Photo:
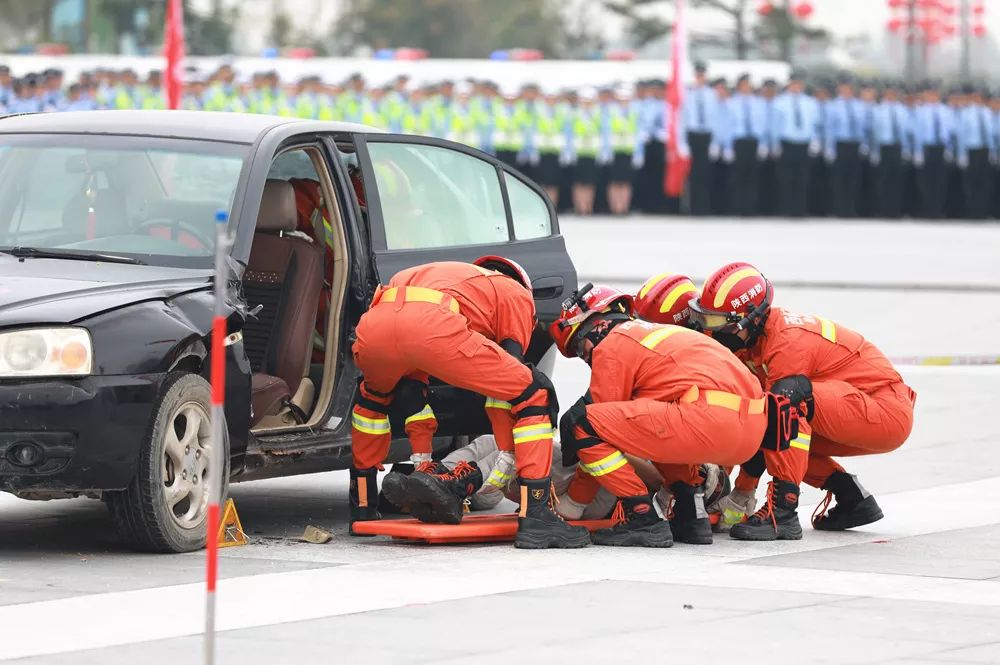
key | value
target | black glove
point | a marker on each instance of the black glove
(575, 417)
(799, 391)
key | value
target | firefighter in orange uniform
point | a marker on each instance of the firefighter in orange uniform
(658, 392)
(467, 325)
(855, 401)
(664, 298)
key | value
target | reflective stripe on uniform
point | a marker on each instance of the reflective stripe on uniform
(828, 329)
(652, 339)
(732, 517)
(418, 294)
(528, 433)
(801, 441)
(498, 478)
(370, 425)
(424, 414)
(497, 404)
(604, 466)
(725, 400)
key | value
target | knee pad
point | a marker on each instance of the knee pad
(570, 442)
(410, 397)
(540, 383)
(363, 400)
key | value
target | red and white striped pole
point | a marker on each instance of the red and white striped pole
(217, 463)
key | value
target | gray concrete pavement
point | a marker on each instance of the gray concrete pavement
(921, 586)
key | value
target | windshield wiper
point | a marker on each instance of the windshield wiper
(70, 254)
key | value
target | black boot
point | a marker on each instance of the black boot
(434, 494)
(641, 526)
(855, 505)
(538, 526)
(777, 519)
(391, 479)
(689, 521)
(363, 490)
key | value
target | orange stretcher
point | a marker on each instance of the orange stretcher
(473, 529)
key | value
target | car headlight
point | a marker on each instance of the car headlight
(46, 352)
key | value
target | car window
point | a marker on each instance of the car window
(528, 209)
(149, 198)
(437, 197)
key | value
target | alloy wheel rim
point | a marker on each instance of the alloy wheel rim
(187, 464)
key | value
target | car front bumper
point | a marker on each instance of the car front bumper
(81, 434)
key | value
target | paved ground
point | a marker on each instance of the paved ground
(921, 586)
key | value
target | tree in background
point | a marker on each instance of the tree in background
(781, 27)
(209, 34)
(645, 22)
(23, 22)
(455, 28)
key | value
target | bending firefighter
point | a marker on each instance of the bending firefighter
(854, 400)
(661, 393)
(467, 325)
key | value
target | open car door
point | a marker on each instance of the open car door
(434, 200)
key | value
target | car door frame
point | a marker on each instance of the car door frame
(371, 194)
(449, 420)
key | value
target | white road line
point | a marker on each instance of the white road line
(100, 620)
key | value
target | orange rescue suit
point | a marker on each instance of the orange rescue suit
(446, 320)
(863, 407)
(670, 395)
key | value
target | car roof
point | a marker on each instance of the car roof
(215, 126)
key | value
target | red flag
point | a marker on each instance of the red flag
(173, 49)
(678, 165)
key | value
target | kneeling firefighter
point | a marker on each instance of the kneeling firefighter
(467, 325)
(658, 392)
(855, 401)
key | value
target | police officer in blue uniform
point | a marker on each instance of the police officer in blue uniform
(974, 153)
(796, 116)
(748, 114)
(933, 131)
(892, 150)
(845, 147)
(701, 106)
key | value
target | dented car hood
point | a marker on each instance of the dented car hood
(51, 291)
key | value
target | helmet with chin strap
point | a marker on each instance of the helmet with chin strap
(589, 314)
(735, 297)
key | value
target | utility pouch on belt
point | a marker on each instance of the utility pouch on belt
(782, 423)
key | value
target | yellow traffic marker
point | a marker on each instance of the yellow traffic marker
(230, 529)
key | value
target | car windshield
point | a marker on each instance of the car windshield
(151, 199)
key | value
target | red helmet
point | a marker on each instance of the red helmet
(506, 266)
(579, 315)
(736, 296)
(664, 299)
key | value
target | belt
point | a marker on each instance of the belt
(725, 400)
(415, 294)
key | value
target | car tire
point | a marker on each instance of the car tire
(164, 507)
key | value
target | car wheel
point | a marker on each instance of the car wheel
(164, 507)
